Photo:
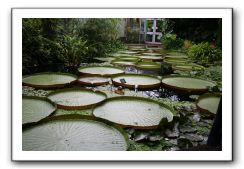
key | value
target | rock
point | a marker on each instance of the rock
(174, 149)
(172, 141)
(155, 138)
(187, 129)
(141, 136)
(193, 137)
(196, 117)
(208, 121)
(202, 124)
(184, 143)
(173, 133)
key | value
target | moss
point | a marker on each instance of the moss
(80, 112)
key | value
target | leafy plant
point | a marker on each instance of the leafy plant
(204, 53)
(74, 50)
(100, 34)
(171, 41)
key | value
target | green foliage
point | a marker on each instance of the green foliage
(74, 50)
(171, 41)
(204, 53)
(101, 36)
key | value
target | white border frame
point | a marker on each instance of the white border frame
(19, 155)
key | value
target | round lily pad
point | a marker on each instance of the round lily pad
(128, 58)
(119, 55)
(188, 67)
(48, 80)
(187, 84)
(74, 133)
(151, 58)
(139, 81)
(123, 62)
(93, 80)
(105, 59)
(175, 61)
(101, 70)
(152, 54)
(128, 52)
(36, 108)
(76, 98)
(137, 112)
(148, 65)
(208, 103)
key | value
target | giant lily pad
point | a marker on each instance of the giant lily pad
(175, 61)
(76, 98)
(187, 84)
(134, 112)
(123, 62)
(74, 133)
(151, 58)
(148, 65)
(36, 108)
(128, 52)
(93, 80)
(208, 103)
(141, 82)
(48, 80)
(152, 54)
(188, 67)
(105, 59)
(128, 58)
(119, 55)
(100, 70)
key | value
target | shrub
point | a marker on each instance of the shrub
(74, 50)
(171, 41)
(187, 44)
(99, 33)
(204, 53)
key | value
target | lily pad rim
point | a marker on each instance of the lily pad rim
(116, 67)
(173, 112)
(49, 86)
(77, 89)
(141, 87)
(90, 84)
(70, 117)
(154, 65)
(43, 99)
(204, 96)
(182, 88)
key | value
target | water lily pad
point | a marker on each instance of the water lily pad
(150, 58)
(208, 103)
(174, 61)
(152, 54)
(36, 108)
(105, 59)
(100, 70)
(124, 62)
(76, 98)
(119, 55)
(127, 52)
(74, 133)
(136, 112)
(91, 80)
(128, 58)
(48, 80)
(187, 84)
(148, 65)
(188, 67)
(137, 81)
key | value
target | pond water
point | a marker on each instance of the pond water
(189, 129)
